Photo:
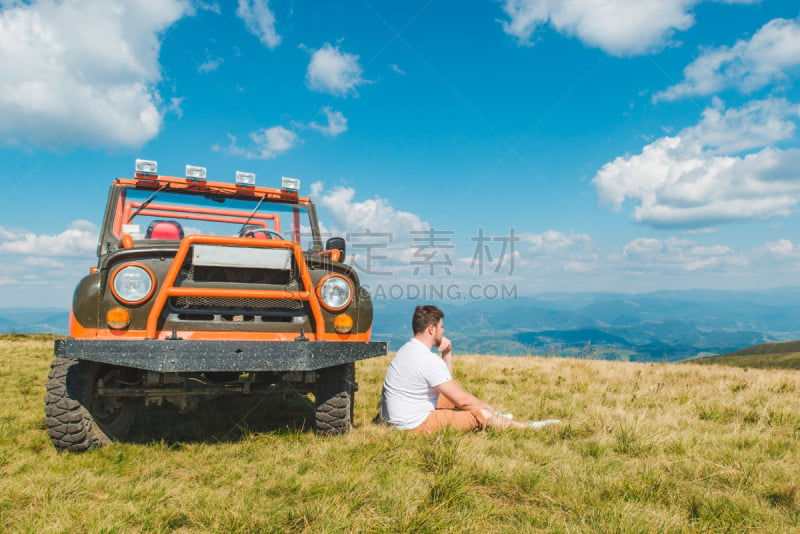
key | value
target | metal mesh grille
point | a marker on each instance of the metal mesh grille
(194, 273)
(228, 305)
(239, 277)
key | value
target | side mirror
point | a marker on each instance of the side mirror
(336, 243)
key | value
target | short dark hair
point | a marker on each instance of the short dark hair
(425, 316)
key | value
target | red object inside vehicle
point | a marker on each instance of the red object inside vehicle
(164, 230)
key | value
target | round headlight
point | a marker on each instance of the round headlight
(132, 284)
(335, 292)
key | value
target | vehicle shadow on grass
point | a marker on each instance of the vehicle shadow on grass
(223, 420)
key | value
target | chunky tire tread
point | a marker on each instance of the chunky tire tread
(68, 418)
(334, 399)
(64, 415)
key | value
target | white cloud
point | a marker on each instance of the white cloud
(174, 107)
(702, 231)
(758, 123)
(397, 69)
(259, 20)
(316, 189)
(208, 6)
(6, 235)
(43, 269)
(35, 261)
(554, 242)
(79, 240)
(558, 261)
(695, 180)
(209, 65)
(78, 72)
(533, 255)
(267, 143)
(375, 214)
(337, 123)
(768, 57)
(379, 237)
(333, 71)
(555, 251)
(781, 255)
(553, 259)
(619, 27)
(784, 247)
(672, 254)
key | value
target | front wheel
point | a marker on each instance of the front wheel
(76, 418)
(335, 390)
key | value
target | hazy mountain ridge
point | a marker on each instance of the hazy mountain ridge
(34, 320)
(659, 326)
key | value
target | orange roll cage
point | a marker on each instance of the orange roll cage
(202, 214)
(168, 288)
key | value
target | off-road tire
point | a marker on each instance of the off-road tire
(335, 389)
(69, 403)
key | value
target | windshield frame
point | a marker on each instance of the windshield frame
(301, 212)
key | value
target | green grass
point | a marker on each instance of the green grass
(643, 448)
(789, 360)
(766, 356)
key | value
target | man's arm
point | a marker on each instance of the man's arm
(468, 401)
(461, 398)
(446, 352)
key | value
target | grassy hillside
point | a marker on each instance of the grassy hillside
(643, 448)
(769, 348)
(765, 356)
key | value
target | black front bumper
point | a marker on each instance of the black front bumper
(169, 356)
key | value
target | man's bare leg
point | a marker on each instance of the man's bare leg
(494, 420)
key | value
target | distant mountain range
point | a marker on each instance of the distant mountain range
(659, 326)
(34, 320)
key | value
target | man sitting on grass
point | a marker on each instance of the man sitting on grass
(419, 392)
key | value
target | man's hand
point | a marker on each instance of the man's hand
(445, 347)
(446, 352)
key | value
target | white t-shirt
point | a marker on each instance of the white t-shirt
(408, 390)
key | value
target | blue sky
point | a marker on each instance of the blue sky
(630, 146)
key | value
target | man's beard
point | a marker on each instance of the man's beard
(437, 341)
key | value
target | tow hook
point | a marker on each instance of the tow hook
(302, 336)
(174, 336)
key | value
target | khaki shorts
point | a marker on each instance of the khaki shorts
(446, 415)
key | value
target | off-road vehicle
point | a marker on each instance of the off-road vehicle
(205, 289)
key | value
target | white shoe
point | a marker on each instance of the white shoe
(540, 424)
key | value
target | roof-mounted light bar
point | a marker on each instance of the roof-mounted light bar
(290, 184)
(146, 166)
(195, 174)
(245, 179)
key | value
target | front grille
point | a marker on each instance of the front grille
(239, 309)
(224, 305)
(237, 275)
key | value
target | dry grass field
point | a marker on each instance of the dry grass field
(642, 448)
